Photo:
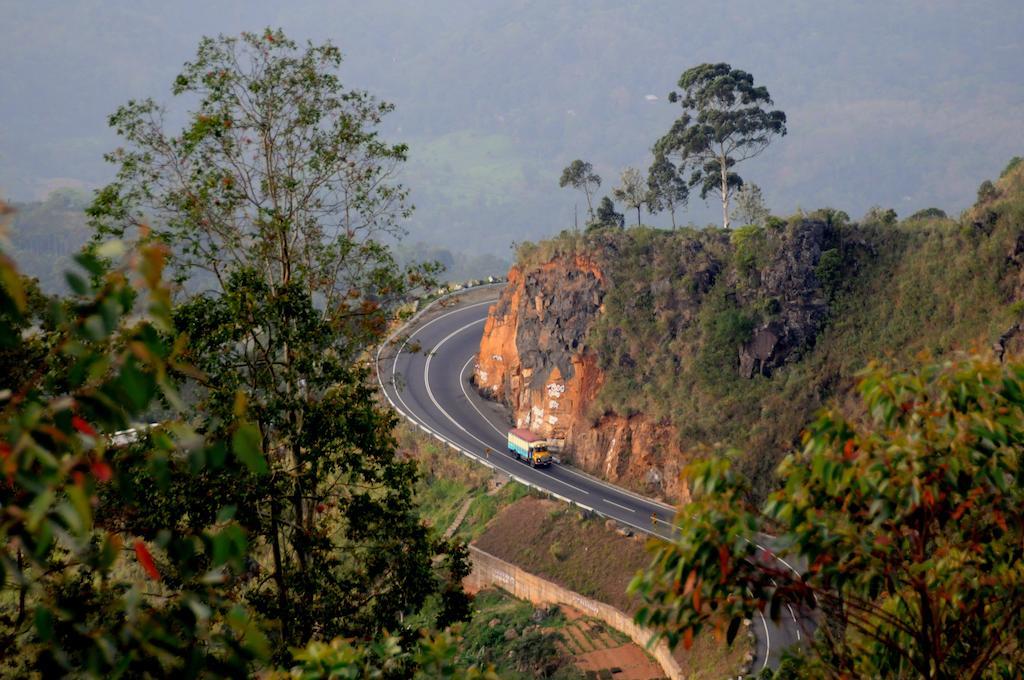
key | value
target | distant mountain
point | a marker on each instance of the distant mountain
(906, 103)
(45, 234)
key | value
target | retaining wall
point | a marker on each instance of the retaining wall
(489, 570)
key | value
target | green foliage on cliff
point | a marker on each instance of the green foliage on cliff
(681, 309)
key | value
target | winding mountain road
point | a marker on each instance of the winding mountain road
(431, 389)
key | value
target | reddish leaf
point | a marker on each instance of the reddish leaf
(101, 471)
(723, 561)
(146, 560)
(85, 428)
(690, 581)
(688, 638)
(1000, 520)
(960, 509)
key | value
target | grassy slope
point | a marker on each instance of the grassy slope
(932, 285)
(448, 479)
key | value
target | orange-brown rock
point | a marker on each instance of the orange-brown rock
(534, 358)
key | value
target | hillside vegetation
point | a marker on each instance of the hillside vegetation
(738, 337)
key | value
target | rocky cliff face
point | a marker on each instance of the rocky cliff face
(791, 285)
(539, 357)
(637, 348)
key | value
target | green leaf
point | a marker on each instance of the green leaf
(44, 623)
(140, 387)
(246, 445)
(82, 509)
(77, 283)
(226, 514)
(38, 509)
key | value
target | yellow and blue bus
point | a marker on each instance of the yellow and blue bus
(529, 447)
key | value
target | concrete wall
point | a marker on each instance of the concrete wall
(489, 570)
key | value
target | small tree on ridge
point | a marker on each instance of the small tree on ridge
(580, 175)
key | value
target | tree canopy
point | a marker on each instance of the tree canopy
(725, 121)
(607, 216)
(909, 519)
(668, 189)
(632, 191)
(580, 175)
(269, 508)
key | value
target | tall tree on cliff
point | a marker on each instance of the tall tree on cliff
(632, 192)
(280, 191)
(580, 175)
(725, 121)
(668, 190)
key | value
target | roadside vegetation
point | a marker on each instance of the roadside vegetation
(448, 481)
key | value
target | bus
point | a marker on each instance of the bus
(529, 447)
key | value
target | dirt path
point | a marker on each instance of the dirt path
(454, 526)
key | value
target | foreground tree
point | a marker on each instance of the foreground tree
(725, 121)
(910, 520)
(78, 595)
(668, 190)
(580, 175)
(277, 195)
(632, 192)
(109, 565)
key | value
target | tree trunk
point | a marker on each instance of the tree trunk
(672, 211)
(638, 216)
(22, 589)
(282, 592)
(725, 191)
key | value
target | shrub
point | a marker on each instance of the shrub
(987, 192)
(830, 271)
(1011, 166)
(928, 214)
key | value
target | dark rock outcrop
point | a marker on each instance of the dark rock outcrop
(801, 307)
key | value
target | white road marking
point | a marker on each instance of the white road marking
(437, 405)
(465, 393)
(617, 505)
(767, 641)
(398, 354)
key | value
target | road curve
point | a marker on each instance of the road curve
(431, 389)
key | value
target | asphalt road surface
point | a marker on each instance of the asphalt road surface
(431, 389)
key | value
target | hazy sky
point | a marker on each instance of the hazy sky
(903, 104)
